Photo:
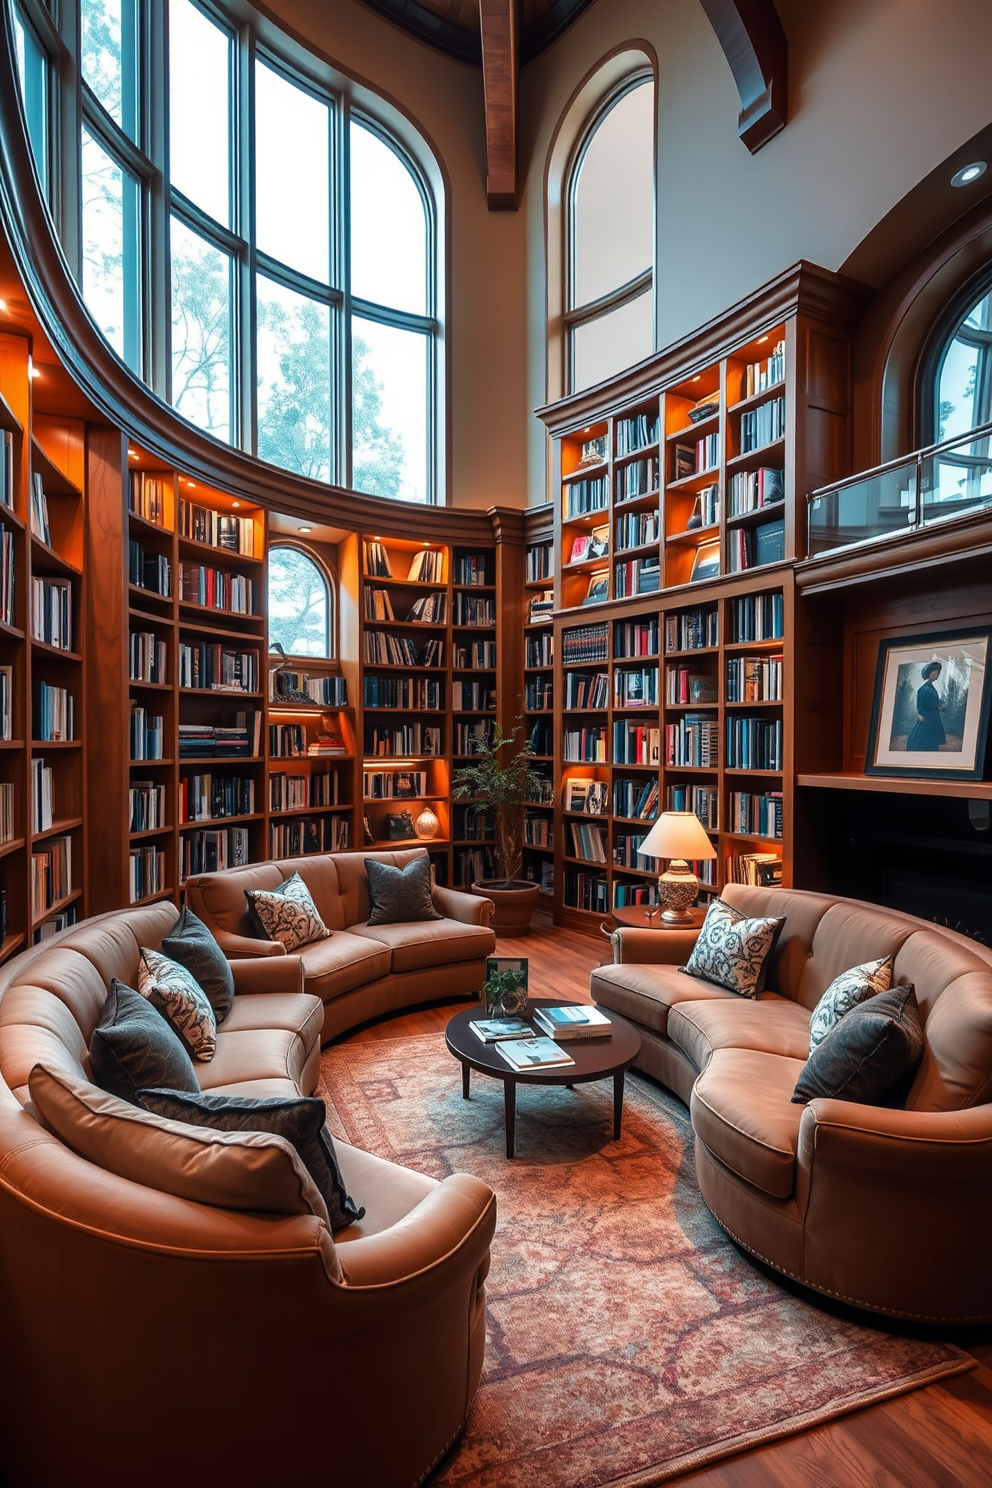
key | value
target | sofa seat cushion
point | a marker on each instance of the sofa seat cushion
(388, 1191)
(644, 993)
(771, 1024)
(426, 943)
(742, 1112)
(296, 1012)
(342, 963)
(249, 1054)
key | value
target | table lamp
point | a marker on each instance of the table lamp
(678, 836)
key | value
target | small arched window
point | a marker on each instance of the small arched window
(300, 610)
(962, 385)
(610, 238)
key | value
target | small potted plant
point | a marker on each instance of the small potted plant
(503, 778)
(505, 993)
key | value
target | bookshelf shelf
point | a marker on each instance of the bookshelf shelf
(14, 845)
(53, 909)
(57, 828)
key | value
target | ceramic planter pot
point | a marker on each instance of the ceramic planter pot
(514, 905)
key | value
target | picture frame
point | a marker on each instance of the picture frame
(930, 706)
(706, 561)
(593, 451)
(599, 542)
(518, 965)
(599, 587)
(580, 548)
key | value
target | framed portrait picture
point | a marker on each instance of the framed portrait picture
(930, 710)
(706, 560)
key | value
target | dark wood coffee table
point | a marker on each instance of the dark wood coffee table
(595, 1059)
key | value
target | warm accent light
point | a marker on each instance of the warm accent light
(33, 372)
(132, 453)
(762, 340)
(679, 837)
(426, 826)
(306, 529)
(192, 485)
(969, 173)
(3, 307)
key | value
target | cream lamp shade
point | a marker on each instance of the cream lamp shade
(679, 837)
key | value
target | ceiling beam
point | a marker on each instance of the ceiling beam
(755, 45)
(500, 61)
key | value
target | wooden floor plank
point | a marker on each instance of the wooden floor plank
(937, 1437)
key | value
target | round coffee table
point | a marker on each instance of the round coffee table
(595, 1059)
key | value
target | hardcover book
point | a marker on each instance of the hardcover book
(533, 1053)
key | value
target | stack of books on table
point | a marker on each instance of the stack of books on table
(579, 1021)
(533, 1053)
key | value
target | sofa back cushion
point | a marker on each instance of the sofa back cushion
(320, 875)
(803, 913)
(219, 898)
(353, 880)
(230, 1170)
(848, 935)
(956, 1069)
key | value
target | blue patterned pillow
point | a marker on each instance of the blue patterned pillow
(732, 950)
(845, 992)
(181, 1000)
(287, 914)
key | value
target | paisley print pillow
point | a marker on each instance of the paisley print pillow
(288, 915)
(181, 1000)
(845, 992)
(732, 950)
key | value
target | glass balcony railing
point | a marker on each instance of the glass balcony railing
(936, 484)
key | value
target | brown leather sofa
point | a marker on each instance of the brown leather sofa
(363, 970)
(887, 1209)
(151, 1339)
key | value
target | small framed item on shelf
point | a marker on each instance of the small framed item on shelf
(599, 587)
(599, 542)
(705, 408)
(706, 560)
(593, 451)
(930, 711)
(580, 548)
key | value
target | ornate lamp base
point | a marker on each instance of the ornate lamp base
(678, 888)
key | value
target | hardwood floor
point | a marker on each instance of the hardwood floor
(938, 1437)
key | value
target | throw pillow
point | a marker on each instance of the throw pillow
(300, 1119)
(181, 1000)
(732, 950)
(191, 944)
(845, 992)
(228, 1170)
(400, 895)
(133, 1047)
(871, 1055)
(288, 915)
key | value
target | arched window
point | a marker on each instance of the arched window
(610, 200)
(221, 255)
(962, 384)
(300, 603)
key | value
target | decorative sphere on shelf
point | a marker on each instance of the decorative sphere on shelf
(426, 824)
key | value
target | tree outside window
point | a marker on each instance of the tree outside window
(299, 604)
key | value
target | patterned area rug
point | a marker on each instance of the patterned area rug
(629, 1340)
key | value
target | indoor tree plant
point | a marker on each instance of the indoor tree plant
(503, 778)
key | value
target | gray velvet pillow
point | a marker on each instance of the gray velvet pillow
(133, 1047)
(870, 1055)
(190, 943)
(400, 895)
(300, 1119)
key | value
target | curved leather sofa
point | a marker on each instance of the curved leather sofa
(363, 970)
(152, 1339)
(887, 1209)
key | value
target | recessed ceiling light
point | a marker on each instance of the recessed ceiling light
(762, 340)
(192, 485)
(235, 503)
(306, 529)
(697, 377)
(132, 453)
(969, 173)
(3, 306)
(34, 372)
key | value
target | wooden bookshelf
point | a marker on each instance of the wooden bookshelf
(539, 693)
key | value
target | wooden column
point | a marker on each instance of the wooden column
(498, 19)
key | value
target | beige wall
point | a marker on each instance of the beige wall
(882, 91)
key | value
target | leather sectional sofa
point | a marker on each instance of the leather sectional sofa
(152, 1339)
(889, 1209)
(364, 970)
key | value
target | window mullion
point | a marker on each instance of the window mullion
(154, 62)
(342, 371)
(242, 119)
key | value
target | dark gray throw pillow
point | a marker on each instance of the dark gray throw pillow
(400, 895)
(190, 943)
(133, 1046)
(300, 1119)
(870, 1055)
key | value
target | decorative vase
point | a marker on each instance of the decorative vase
(426, 824)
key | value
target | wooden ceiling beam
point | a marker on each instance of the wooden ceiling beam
(500, 62)
(755, 45)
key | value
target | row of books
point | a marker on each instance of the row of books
(203, 797)
(54, 719)
(51, 874)
(754, 743)
(38, 511)
(377, 563)
(540, 737)
(636, 799)
(537, 563)
(427, 566)
(755, 815)
(637, 576)
(585, 643)
(473, 697)
(634, 529)
(424, 693)
(540, 650)
(586, 891)
(627, 852)
(477, 656)
(314, 834)
(394, 785)
(209, 741)
(762, 870)
(209, 851)
(216, 588)
(704, 800)
(537, 831)
(146, 872)
(754, 546)
(585, 795)
(758, 376)
(7, 486)
(430, 609)
(585, 746)
(148, 570)
(473, 738)
(55, 924)
(585, 690)
(217, 529)
(401, 741)
(638, 478)
(295, 792)
(288, 740)
(473, 864)
(749, 490)
(147, 732)
(147, 496)
(473, 609)
(635, 689)
(754, 679)
(757, 617)
(473, 824)
(635, 744)
(6, 575)
(8, 812)
(42, 796)
(693, 740)
(693, 459)
(636, 432)
(382, 648)
(762, 425)
(539, 694)
(51, 612)
(705, 509)
(214, 666)
(146, 806)
(473, 569)
(587, 842)
(147, 657)
(692, 630)
(635, 638)
(684, 685)
(590, 494)
(6, 702)
(632, 895)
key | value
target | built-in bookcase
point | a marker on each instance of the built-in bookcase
(539, 695)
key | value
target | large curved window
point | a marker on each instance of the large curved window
(299, 604)
(963, 383)
(259, 251)
(610, 238)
